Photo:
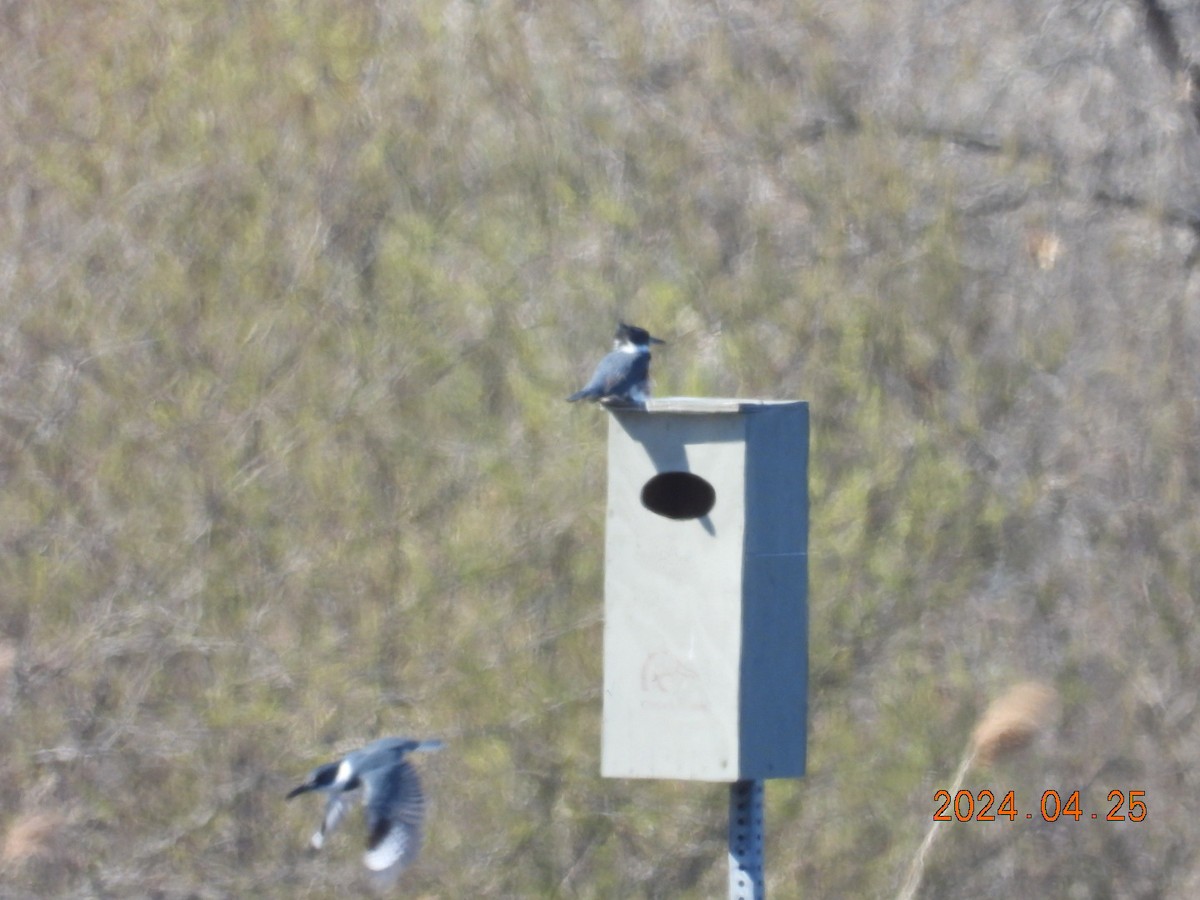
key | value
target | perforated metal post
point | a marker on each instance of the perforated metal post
(746, 841)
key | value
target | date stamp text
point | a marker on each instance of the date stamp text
(981, 806)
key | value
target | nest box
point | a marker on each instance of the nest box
(705, 590)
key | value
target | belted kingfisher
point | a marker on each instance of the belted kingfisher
(623, 376)
(393, 803)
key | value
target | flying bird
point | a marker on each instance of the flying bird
(623, 376)
(393, 803)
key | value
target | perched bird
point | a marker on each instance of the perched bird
(623, 376)
(391, 793)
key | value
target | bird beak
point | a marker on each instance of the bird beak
(655, 340)
(296, 792)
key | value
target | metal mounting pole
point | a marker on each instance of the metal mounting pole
(746, 841)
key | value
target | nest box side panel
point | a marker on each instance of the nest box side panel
(774, 661)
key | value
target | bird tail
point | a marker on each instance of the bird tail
(585, 394)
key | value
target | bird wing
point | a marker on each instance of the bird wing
(631, 374)
(595, 389)
(617, 375)
(395, 808)
(386, 751)
(385, 748)
(335, 810)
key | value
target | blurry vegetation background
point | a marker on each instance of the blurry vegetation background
(293, 292)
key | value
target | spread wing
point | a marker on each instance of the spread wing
(395, 809)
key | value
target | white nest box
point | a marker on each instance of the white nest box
(705, 590)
